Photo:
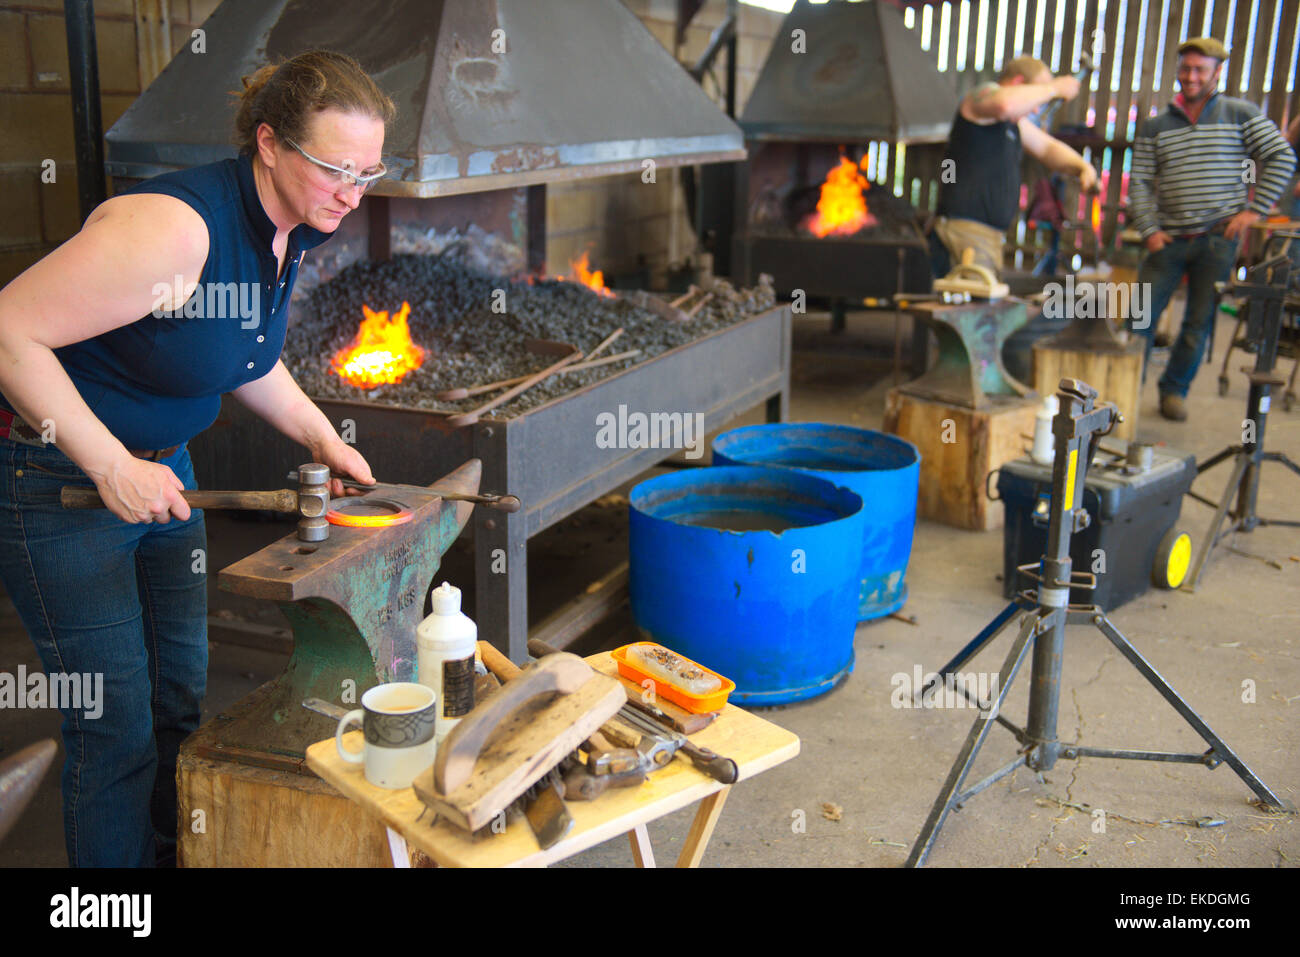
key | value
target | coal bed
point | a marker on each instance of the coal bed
(473, 327)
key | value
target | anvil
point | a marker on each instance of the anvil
(968, 371)
(353, 601)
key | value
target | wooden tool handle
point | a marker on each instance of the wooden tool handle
(497, 663)
(279, 500)
(456, 756)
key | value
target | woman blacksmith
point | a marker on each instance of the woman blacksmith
(90, 392)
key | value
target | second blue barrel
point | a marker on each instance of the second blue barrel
(751, 572)
(883, 469)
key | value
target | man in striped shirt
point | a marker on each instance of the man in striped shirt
(1189, 198)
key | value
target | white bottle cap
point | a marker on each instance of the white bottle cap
(446, 599)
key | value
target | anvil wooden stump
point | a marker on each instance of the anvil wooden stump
(354, 601)
(1089, 349)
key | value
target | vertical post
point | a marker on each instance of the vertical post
(741, 271)
(500, 553)
(87, 125)
(1073, 449)
(732, 44)
(838, 315)
(1268, 295)
(379, 216)
(536, 251)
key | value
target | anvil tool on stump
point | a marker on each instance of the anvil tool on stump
(354, 601)
(968, 371)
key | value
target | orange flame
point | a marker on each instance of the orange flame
(381, 354)
(582, 272)
(842, 208)
(1096, 213)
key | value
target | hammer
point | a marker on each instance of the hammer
(310, 501)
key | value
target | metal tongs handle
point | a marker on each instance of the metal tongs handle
(502, 503)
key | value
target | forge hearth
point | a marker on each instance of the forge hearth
(472, 326)
(733, 356)
(786, 182)
(777, 195)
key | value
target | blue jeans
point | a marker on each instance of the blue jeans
(1205, 260)
(100, 596)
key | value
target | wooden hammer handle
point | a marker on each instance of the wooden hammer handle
(279, 500)
(497, 663)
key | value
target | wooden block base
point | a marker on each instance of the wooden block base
(238, 815)
(959, 448)
(1117, 377)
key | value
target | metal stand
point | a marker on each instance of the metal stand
(1042, 619)
(1264, 324)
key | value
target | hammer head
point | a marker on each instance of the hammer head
(313, 502)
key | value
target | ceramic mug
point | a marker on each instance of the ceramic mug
(398, 721)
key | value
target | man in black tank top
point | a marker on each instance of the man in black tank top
(979, 195)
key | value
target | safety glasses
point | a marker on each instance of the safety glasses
(338, 175)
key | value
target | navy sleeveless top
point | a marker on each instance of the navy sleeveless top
(158, 382)
(986, 184)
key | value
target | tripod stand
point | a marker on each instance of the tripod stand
(1266, 294)
(1078, 426)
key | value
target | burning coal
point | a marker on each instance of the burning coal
(382, 352)
(842, 206)
(471, 327)
(582, 272)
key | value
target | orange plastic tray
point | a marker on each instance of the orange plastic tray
(697, 704)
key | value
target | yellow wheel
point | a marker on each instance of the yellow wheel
(1173, 558)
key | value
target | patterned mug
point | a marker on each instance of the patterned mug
(398, 721)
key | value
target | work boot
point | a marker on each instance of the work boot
(1173, 407)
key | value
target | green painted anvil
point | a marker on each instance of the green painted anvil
(968, 371)
(354, 601)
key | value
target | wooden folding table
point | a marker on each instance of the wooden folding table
(752, 742)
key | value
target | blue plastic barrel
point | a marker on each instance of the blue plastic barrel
(884, 469)
(751, 572)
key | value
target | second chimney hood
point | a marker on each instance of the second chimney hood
(852, 73)
(490, 94)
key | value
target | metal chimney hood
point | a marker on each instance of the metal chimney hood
(863, 76)
(490, 94)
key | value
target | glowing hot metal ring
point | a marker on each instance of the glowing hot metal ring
(396, 513)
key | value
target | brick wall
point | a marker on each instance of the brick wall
(36, 109)
(621, 220)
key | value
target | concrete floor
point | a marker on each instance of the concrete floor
(876, 768)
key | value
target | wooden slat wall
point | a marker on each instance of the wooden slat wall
(1285, 53)
(1146, 60)
(1173, 28)
(1146, 86)
(1259, 61)
(1221, 8)
(1123, 102)
(1240, 34)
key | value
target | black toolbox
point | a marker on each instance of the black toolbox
(1132, 540)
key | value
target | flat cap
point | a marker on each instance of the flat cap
(1204, 45)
